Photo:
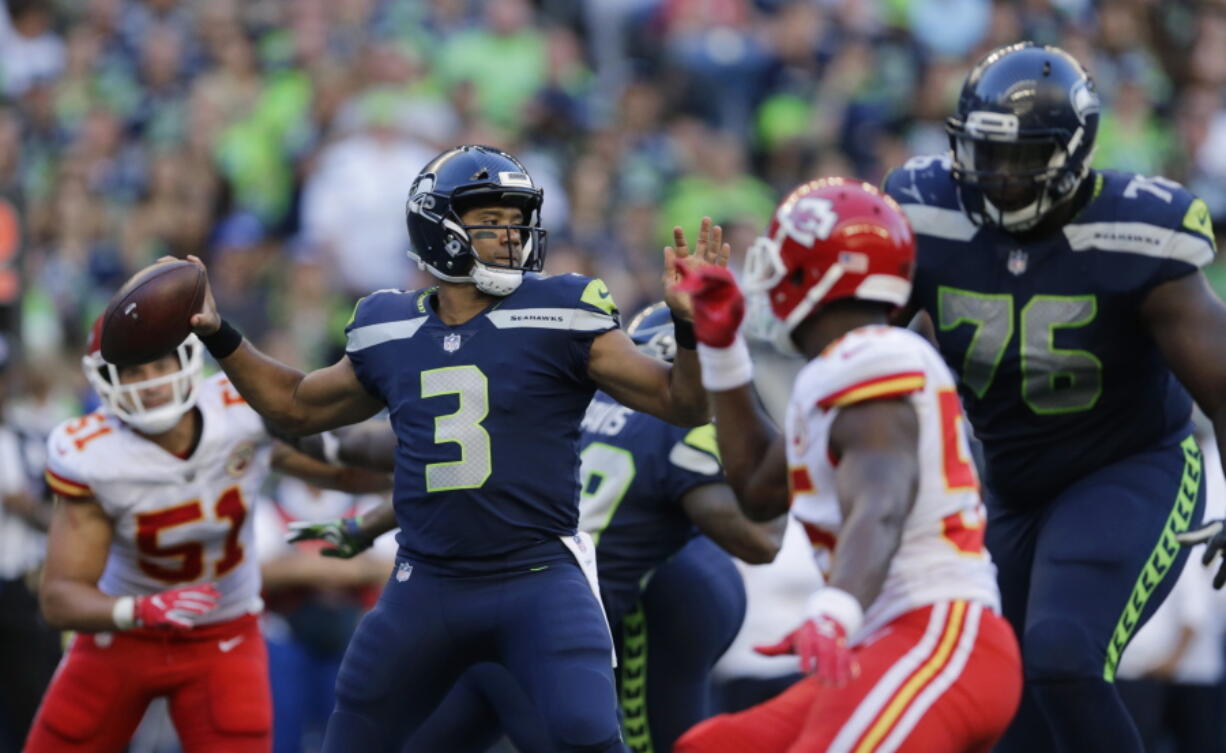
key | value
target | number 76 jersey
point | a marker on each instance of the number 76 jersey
(1058, 373)
(941, 556)
(175, 520)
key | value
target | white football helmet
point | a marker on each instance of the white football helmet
(124, 400)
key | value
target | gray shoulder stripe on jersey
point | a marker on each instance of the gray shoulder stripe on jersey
(938, 222)
(361, 338)
(693, 460)
(552, 318)
(1140, 238)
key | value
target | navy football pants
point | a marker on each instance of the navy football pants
(1078, 575)
(545, 627)
(690, 611)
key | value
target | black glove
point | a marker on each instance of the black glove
(344, 534)
(1213, 535)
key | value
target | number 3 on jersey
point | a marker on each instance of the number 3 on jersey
(463, 427)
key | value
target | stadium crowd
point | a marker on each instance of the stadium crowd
(277, 139)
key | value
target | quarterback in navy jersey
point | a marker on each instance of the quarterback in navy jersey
(649, 491)
(486, 378)
(1071, 305)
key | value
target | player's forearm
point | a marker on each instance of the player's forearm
(752, 543)
(269, 386)
(689, 406)
(72, 605)
(298, 570)
(379, 521)
(876, 493)
(745, 438)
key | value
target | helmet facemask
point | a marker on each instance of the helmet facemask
(1017, 181)
(125, 401)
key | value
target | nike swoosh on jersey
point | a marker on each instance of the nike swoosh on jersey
(228, 645)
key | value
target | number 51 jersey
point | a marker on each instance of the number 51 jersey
(941, 556)
(1057, 372)
(176, 520)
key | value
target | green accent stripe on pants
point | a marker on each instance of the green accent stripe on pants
(1161, 559)
(633, 693)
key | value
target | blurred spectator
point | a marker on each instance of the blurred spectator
(505, 61)
(30, 50)
(29, 649)
(353, 205)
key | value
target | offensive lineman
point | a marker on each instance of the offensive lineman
(906, 643)
(1071, 305)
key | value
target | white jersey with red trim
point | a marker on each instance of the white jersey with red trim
(175, 520)
(941, 556)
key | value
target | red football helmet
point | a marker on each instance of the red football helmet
(830, 239)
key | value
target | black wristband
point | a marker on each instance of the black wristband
(683, 333)
(223, 342)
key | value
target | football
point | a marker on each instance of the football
(151, 314)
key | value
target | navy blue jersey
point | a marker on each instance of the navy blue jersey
(486, 413)
(1057, 373)
(636, 468)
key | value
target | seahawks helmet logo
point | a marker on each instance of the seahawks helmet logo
(1084, 99)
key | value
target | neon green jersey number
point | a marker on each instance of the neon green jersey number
(462, 427)
(605, 474)
(1054, 380)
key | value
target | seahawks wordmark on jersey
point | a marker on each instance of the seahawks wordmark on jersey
(1056, 372)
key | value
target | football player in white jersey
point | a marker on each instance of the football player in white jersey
(905, 645)
(149, 558)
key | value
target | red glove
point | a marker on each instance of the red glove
(719, 305)
(821, 644)
(176, 607)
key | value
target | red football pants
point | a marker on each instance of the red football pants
(945, 678)
(215, 678)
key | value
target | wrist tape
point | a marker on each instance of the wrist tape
(725, 368)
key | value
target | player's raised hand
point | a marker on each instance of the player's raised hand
(709, 250)
(344, 534)
(717, 304)
(1213, 536)
(207, 320)
(179, 608)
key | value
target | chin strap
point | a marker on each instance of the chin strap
(495, 281)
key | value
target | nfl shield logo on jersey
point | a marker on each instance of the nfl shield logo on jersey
(1017, 261)
(403, 571)
(451, 343)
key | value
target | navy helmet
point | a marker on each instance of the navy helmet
(461, 179)
(652, 331)
(1023, 135)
